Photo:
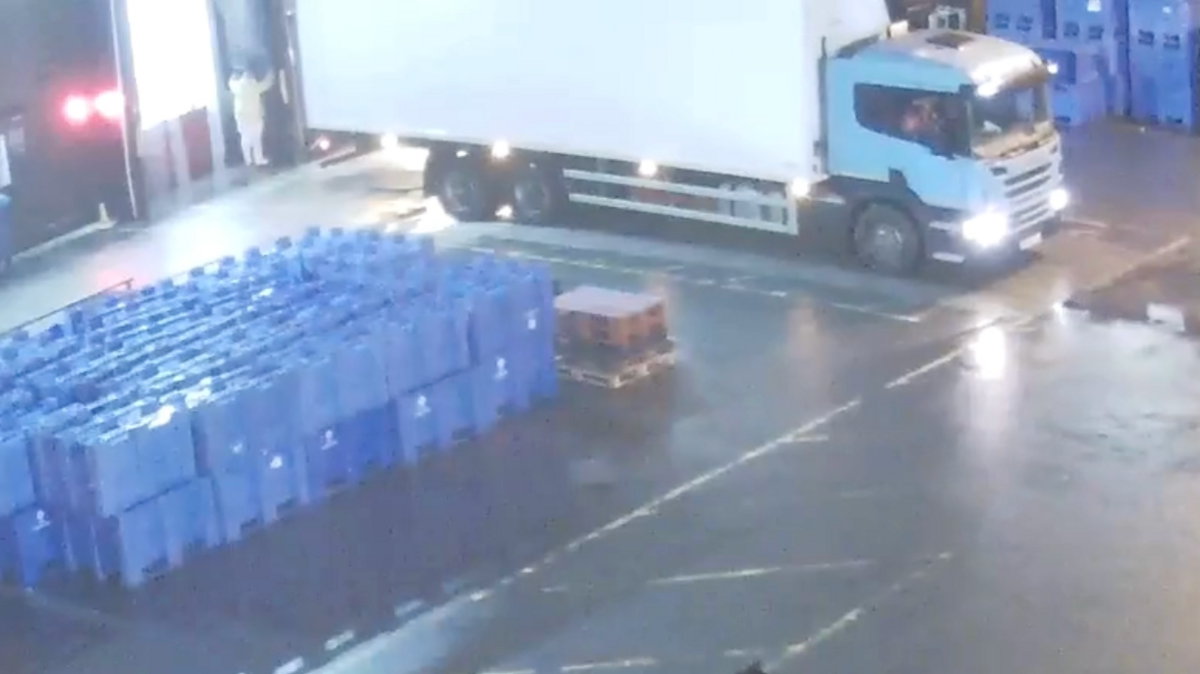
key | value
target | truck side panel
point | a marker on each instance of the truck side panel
(710, 85)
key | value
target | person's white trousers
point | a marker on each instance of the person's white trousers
(252, 143)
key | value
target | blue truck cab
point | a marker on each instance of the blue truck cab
(946, 142)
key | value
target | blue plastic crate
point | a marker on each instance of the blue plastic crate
(443, 342)
(6, 231)
(1115, 69)
(330, 463)
(239, 509)
(1080, 104)
(131, 546)
(281, 481)
(16, 475)
(266, 408)
(1071, 63)
(455, 407)
(401, 354)
(103, 471)
(1022, 21)
(31, 544)
(317, 387)
(379, 435)
(415, 415)
(362, 374)
(1177, 47)
(190, 519)
(503, 386)
(1092, 20)
(1164, 16)
(492, 311)
(1162, 87)
(166, 452)
(218, 427)
(1169, 108)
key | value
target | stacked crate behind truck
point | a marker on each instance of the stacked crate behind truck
(1163, 60)
(1102, 25)
(1023, 21)
(1078, 104)
(590, 316)
(6, 245)
(1094, 21)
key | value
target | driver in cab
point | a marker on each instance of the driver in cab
(921, 122)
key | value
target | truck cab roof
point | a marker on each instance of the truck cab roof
(957, 56)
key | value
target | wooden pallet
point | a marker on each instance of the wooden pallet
(627, 374)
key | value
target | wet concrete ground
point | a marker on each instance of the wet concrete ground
(844, 474)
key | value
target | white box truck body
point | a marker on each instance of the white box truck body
(707, 109)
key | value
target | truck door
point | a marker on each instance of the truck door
(917, 135)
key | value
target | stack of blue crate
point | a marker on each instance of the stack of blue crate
(1068, 32)
(185, 414)
(1024, 21)
(1099, 30)
(1163, 62)
(1079, 93)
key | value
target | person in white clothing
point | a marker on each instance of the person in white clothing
(250, 114)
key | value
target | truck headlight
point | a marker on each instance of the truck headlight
(1060, 199)
(986, 229)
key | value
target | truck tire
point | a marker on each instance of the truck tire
(466, 191)
(538, 195)
(886, 239)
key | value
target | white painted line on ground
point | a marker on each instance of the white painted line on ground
(337, 641)
(901, 318)
(686, 488)
(291, 666)
(628, 663)
(811, 439)
(760, 572)
(914, 374)
(734, 574)
(848, 619)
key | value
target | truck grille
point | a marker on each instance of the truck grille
(1027, 183)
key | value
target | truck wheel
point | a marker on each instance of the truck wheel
(537, 194)
(465, 192)
(887, 240)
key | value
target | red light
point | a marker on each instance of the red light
(110, 105)
(77, 110)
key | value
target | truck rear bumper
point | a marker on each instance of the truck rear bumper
(946, 244)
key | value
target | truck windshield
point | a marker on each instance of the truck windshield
(1012, 110)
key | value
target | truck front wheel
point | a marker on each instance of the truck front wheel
(465, 192)
(538, 194)
(887, 240)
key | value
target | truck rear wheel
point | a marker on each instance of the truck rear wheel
(887, 240)
(465, 192)
(538, 195)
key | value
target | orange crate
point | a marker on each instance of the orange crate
(602, 317)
